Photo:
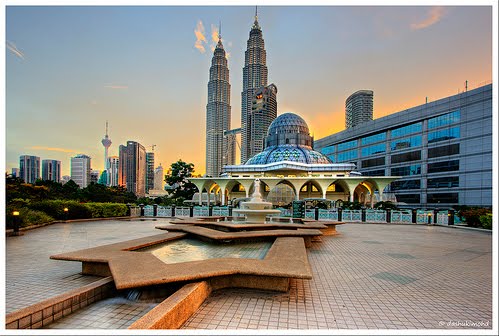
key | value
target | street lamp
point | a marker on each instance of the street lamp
(16, 223)
(66, 214)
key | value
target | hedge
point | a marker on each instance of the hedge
(76, 210)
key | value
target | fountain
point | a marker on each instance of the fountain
(256, 210)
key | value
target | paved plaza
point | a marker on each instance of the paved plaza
(371, 276)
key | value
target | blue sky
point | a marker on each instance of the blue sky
(69, 69)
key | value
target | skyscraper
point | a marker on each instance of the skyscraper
(263, 112)
(132, 168)
(29, 168)
(159, 178)
(218, 113)
(359, 108)
(255, 75)
(51, 170)
(112, 171)
(80, 170)
(106, 142)
(149, 171)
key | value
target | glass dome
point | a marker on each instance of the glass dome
(294, 153)
(288, 123)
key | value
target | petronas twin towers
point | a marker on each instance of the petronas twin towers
(257, 110)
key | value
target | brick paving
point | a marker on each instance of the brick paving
(369, 277)
(372, 277)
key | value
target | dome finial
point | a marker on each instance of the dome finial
(255, 24)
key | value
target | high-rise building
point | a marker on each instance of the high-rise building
(29, 168)
(112, 171)
(80, 170)
(159, 178)
(94, 176)
(132, 168)
(65, 179)
(442, 149)
(359, 108)
(149, 171)
(51, 170)
(15, 172)
(218, 113)
(255, 75)
(106, 142)
(263, 112)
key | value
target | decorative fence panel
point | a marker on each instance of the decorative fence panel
(182, 212)
(443, 217)
(375, 216)
(149, 210)
(284, 213)
(220, 211)
(134, 211)
(401, 217)
(422, 216)
(352, 216)
(164, 211)
(310, 214)
(201, 211)
(328, 214)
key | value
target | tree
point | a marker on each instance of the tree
(177, 178)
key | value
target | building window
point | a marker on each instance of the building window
(443, 150)
(408, 198)
(444, 134)
(328, 150)
(445, 119)
(373, 138)
(347, 156)
(437, 167)
(347, 145)
(409, 129)
(377, 172)
(406, 157)
(414, 141)
(406, 171)
(443, 182)
(405, 185)
(373, 162)
(374, 149)
(443, 198)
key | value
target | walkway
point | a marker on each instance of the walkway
(370, 276)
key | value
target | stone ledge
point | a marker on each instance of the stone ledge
(45, 312)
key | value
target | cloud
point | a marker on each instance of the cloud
(53, 149)
(12, 47)
(214, 33)
(116, 87)
(200, 37)
(434, 15)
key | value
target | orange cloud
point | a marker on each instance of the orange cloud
(214, 33)
(12, 47)
(200, 37)
(434, 15)
(53, 149)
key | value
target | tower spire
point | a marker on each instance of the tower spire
(220, 30)
(255, 24)
(106, 129)
(256, 13)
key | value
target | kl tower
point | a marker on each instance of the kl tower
(106, 142)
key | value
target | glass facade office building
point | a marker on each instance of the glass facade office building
(443, 150)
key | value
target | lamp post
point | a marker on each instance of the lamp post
(66, 210)
(16, 223)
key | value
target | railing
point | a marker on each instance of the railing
(376, 216)
(401, 216)
(352, 216)
(220, 211)
(442, 217)
(328, 214)
(164, 211)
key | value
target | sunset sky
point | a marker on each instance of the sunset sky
(145, 70)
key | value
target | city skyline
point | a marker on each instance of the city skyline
(144, 69)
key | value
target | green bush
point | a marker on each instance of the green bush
(472, 215)
(486, 221)
(55, 209)
(34, 217)
(104, 210)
